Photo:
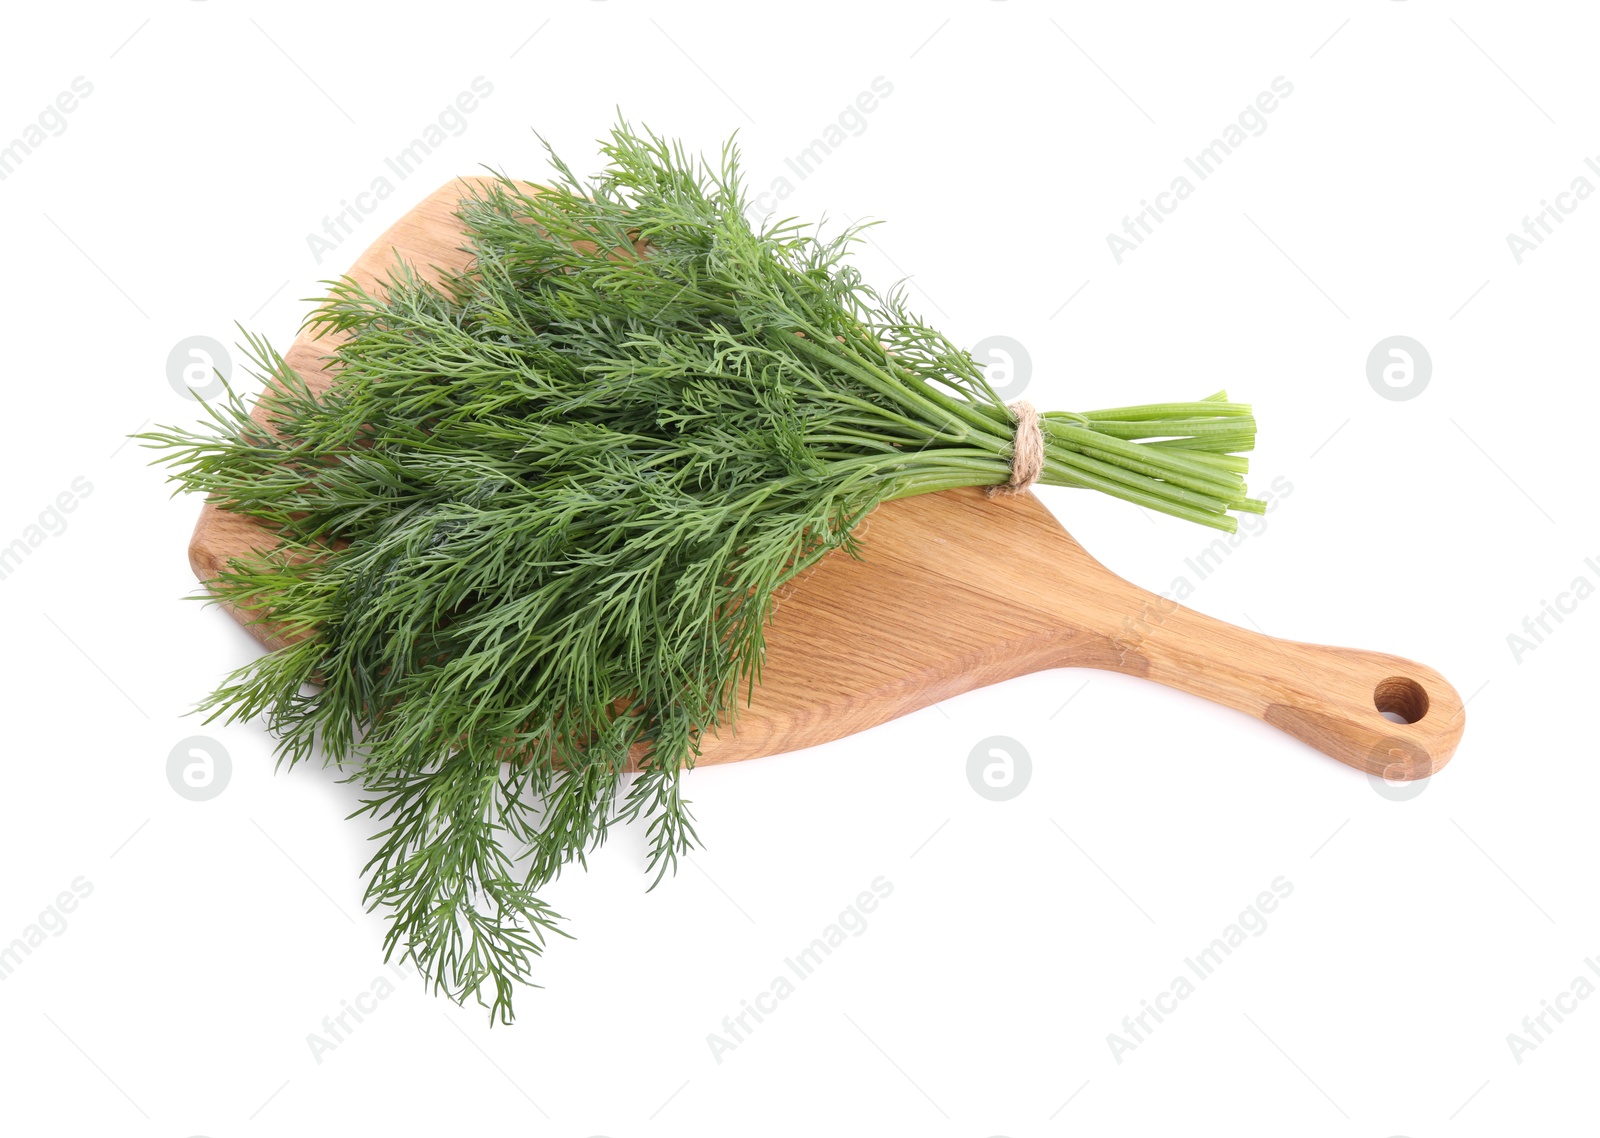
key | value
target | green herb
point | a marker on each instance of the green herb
(543, 513)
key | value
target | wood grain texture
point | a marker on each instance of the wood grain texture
(959, 590)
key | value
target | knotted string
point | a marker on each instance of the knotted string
(1027, 449)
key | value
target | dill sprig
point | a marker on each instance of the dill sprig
(531, 537)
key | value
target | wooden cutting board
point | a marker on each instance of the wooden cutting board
(959, 590)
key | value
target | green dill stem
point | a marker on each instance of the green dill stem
(915, 398)
(1058, 474)
(1170, 411)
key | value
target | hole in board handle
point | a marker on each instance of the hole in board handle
(1400, 700)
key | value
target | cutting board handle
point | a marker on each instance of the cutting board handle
(1334, 699)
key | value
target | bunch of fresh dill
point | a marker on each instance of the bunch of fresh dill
(535, 529)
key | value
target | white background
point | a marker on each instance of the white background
(179, 995)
